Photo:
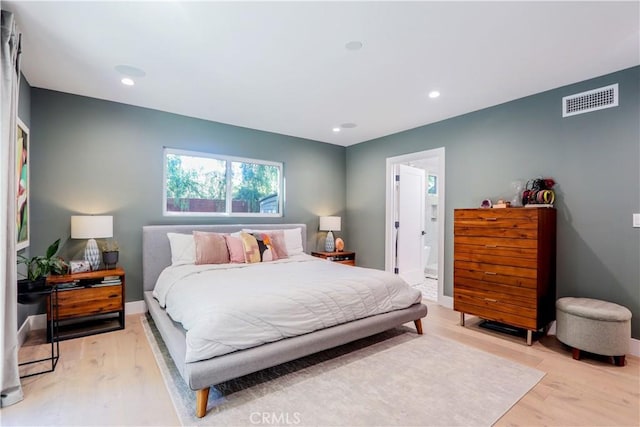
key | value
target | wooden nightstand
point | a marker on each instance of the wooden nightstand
(88, 304)
(343, 257)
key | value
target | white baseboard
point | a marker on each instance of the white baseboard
(445, 301)
(39, 321)
(634, 347)
(135, 307)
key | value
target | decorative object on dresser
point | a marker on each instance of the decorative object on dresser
(91, 227)
(329, 224)
(342, 257)
(538, 192)
(518, 188)
(89, 303)
(110, 254)
(339, 245)
(79, 266)
(505, 266)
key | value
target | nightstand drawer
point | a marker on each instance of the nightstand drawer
(89, 301)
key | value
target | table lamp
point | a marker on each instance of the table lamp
(91, 227)
(329, 224)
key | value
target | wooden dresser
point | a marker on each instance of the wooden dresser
(505, 265)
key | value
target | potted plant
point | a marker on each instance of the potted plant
(38, 267)
(110, 252)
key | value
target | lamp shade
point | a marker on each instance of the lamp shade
(91, 226)
(329, 223)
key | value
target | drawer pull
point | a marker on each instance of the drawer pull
(491, 300)
(490, 273)
(491, 219)
(490, 246)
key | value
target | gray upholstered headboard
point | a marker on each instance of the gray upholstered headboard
(156, 252)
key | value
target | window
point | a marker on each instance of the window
(201, 184)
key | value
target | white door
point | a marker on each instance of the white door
(410, 191)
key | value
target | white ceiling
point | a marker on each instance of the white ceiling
(283, 66)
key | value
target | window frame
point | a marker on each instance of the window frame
(229, 185)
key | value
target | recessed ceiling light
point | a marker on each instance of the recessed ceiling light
(336, 130)
(353, 45)
(348, 125)
(434, 94)
(127, 81)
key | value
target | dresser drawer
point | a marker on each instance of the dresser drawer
(498, 242)
(518, 296)
(511, 232)
(523, 218)
(505, 223)
(89, 301)
(496, 270)
(493, 279)
(490, 300)
(491, 256)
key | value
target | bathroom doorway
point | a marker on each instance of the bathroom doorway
(432, 163)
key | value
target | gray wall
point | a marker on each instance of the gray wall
(594, 158)
(96, 157)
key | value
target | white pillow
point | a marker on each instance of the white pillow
(183, 248)
(292, 239)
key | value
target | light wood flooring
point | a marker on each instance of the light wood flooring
(112, 379)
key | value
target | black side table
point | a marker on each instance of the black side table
(35, 296)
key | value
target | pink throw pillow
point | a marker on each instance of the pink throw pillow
(236, 249)
(278, 245)
(211, 248)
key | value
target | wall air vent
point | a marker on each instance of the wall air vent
(591, 100)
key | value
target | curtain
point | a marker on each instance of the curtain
(10, 389)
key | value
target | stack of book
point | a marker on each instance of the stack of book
(109, 281)
(69, 285)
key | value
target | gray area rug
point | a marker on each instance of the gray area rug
(396, 378)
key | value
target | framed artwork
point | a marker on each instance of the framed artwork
(22, 180)
(432, 185)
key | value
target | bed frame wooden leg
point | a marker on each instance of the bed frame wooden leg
(418, 324)
(202, 396)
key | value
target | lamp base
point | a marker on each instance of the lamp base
(329, 243)
(92, 254)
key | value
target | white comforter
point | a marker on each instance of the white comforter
(229, 307)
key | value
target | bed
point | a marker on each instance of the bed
(200, 375)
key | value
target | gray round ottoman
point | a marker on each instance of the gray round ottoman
(594, 326)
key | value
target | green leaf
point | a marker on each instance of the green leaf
(53, 248)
